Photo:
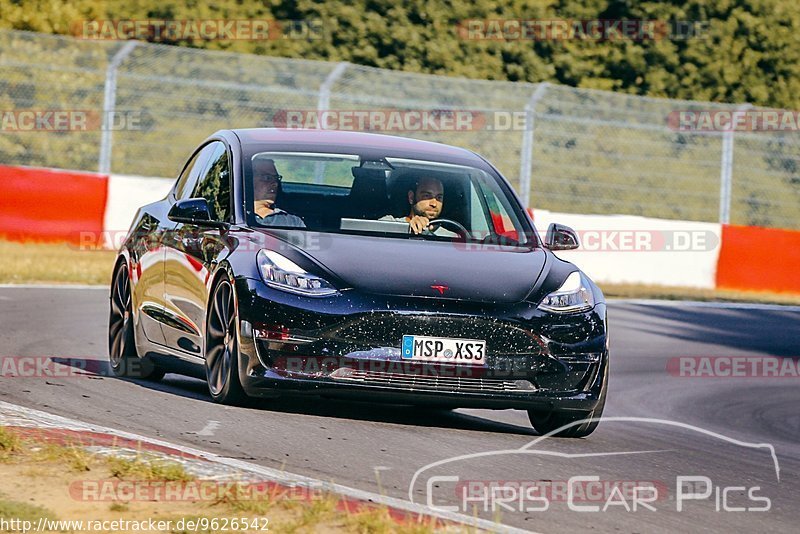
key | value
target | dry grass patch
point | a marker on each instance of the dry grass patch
(10, 509)
(686, 293)
(76, 457)
(9, 442)
(50, 473)
(147, 467)
(48, 263)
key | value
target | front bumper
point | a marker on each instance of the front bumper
(349, 346)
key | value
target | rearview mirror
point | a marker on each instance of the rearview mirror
(560, 237)
(193, 211)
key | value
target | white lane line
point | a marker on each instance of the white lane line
(207, 430)
(52, 286)
(707, 304)
(12, 414)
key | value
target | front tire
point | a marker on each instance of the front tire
(122, 355)
(546, 422)
(222, 347)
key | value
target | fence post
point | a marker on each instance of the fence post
(109, 104)
(323, 103)
(726, 168)
(526, 154)
(325, 89)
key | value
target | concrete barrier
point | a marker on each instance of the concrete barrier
(126, 194)
(626, 249)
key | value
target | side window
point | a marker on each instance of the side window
(478, 223)
(214, 185)
(500, 213)
(193, 169)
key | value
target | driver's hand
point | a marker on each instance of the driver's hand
(418, 224)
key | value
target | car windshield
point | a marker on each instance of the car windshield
(386, 197)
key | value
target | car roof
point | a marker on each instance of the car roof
(366, 144)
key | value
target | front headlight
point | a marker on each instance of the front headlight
(572, 296)
(282, 273)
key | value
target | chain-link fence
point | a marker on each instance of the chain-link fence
(575, 150)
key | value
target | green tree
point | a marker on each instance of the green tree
(751, 51)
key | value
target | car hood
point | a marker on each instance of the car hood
(409, 267)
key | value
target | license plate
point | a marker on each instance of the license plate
(442, 349)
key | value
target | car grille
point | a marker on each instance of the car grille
(433, 382)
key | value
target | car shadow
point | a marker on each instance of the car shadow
(304, 405)
(389, 413)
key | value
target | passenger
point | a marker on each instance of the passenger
(266, 187)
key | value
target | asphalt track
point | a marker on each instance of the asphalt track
(660, 426)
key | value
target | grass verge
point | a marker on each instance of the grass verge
(145, 467)
(686, 293)
(48, 263)
(22, 511)
(62, 482)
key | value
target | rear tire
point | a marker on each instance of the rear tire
(122, 354)
(221, 350)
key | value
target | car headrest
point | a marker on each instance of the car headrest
(368, 196)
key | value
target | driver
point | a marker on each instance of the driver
(426, 200)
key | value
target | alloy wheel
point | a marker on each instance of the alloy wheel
(220, 338)
(119, 326)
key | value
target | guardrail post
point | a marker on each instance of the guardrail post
(726, 169)
(109, 105)
(526, 154)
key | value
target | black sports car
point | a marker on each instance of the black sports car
(351, 264)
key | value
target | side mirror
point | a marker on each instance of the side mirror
(560, 237)
(193, 211)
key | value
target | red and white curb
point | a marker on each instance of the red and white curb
(210, 466)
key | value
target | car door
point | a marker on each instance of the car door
(190, 253)
(151, 236)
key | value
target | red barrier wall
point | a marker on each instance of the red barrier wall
(759, 259)
(50, 205)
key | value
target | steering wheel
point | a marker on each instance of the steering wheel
(462, 232)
